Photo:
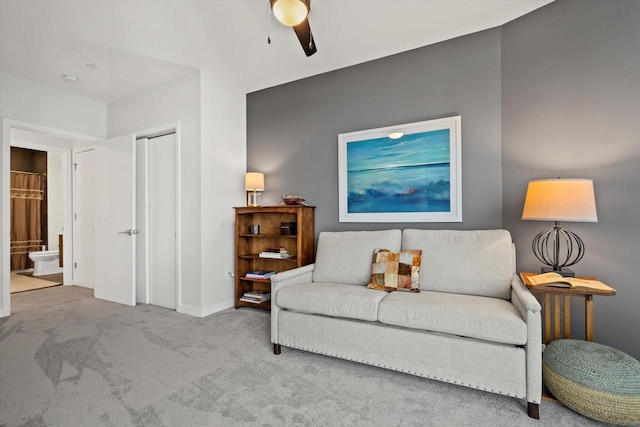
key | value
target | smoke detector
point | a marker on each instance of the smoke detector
(70, 79)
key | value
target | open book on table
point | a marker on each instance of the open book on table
(556, 280)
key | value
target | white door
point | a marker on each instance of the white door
(115, 220)
(162, 220)
(83, 216)
(142, 220)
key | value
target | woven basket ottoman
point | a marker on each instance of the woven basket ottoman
(594, 380)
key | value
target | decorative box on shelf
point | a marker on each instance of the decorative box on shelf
(288, 228)
(266, 246)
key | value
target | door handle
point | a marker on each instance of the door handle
(129, 232)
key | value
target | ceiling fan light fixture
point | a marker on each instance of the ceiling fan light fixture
(290, 12)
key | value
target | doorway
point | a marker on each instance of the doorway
(37, 212)
(59, 144)
(48, 157)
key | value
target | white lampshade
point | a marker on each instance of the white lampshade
(254, 181)
(290, 12)
(561, 199)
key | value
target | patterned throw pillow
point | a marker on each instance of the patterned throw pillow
(395, 271)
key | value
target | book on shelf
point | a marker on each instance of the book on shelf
(276, 249)
(275, 255)
(256, 296)
(251, 300)
(258, 293)
(558, 281)
(259, 274)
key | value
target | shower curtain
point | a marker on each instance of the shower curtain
(27, 194)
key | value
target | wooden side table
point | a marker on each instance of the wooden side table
(562, 296)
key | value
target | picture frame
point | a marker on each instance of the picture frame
(402, 173)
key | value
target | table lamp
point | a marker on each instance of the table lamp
(253, 181)
(561, 199)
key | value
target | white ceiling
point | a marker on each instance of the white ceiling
(138, 44)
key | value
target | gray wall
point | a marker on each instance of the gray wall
(571, 108)
(292, 129)
(554, 93)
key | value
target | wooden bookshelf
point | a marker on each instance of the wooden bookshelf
(248, 245)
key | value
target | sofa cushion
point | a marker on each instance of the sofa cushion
(472, 262)
(331, 299)
(489, 319)
(395, 271)
(345, 256)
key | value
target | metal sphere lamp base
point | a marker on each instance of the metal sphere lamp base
(558, 248)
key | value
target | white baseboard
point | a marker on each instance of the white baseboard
(204, 311)
(190, 310)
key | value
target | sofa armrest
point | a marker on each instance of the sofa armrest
(296, 276)
(520, 292)
(529, 308)
(281, 280)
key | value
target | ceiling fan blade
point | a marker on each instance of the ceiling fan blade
(303, 31)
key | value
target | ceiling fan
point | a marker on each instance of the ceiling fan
(294, 14)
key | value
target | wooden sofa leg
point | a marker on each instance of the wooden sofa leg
(533, 410)
(277, 349)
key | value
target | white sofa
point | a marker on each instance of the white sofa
(473, 323)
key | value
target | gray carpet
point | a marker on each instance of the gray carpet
(87, 362)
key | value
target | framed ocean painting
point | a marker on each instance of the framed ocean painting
(402, 173)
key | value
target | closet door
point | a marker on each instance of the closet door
(162, 221)
(142, 221)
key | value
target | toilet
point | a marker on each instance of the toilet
(45, 262)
